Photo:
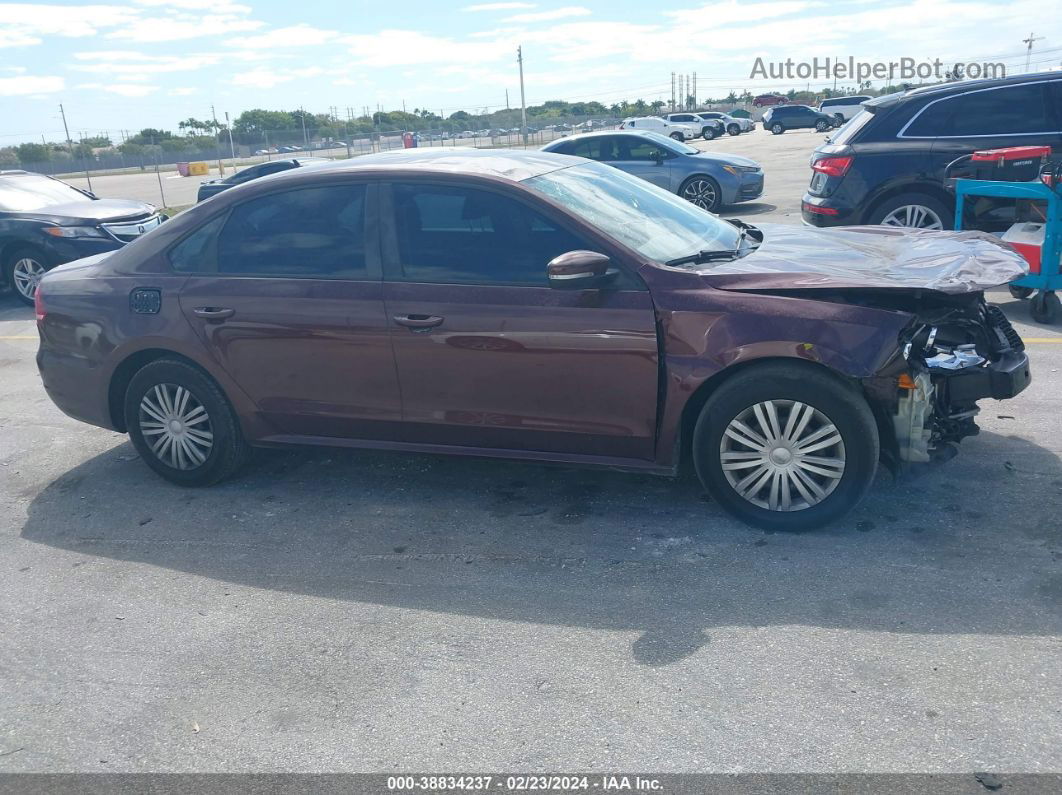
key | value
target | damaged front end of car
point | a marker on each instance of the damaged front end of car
(956, 351)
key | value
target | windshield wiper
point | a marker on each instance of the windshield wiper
(705, 256)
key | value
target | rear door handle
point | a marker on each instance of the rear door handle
(418, 321)
(213, 312)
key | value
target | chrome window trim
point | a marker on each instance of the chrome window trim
(928, 105)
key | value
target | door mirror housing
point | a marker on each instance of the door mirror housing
(579, 270)
(658, 157)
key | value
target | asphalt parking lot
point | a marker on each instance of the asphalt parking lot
(359, 611)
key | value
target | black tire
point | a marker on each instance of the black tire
(835, 400)
(702, 191)
(228, 450)
(777, 128)
(822, 125)
(838, 120)
(1020, 293)
(708, 133)
(678, 136)
(733, 129)
(880, 212)
(20, 255)
(1045, 308)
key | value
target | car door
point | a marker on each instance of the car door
(1011, 115)
(639, 156)
(285, 293)
(488, 354)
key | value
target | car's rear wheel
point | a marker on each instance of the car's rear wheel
(777, 128)
(702, 191)
(23, 271)
(786, 447)
(1020, 293)
(822, 125)
(733, 129)
(838, 119)
(182, 424)
(912, 210)
(678, 136)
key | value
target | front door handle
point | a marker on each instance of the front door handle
(418, 321)
(213, 312)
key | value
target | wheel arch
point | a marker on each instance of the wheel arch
(691, 411)
(130, 366)
(938, 192)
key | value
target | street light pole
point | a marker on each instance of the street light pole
(523, 101)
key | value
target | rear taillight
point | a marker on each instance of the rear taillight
(818, 209)
(833, 166)
(38, 306)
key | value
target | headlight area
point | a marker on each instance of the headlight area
(74, 231)
(949, 359)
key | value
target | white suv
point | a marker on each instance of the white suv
(735, 125)
(699, 128)
(680, 132)
(842, 108)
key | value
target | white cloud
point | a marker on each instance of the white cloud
(17, 38)
(136, 66)
(406, 47)
(177, 29)
(33, 20)
(301, 35)
(30, 84)
(268, 78)
(183, 91)
(498, 6)
(122, 89)
(214, 6)
(546, 16)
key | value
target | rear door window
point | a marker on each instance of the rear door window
(307, 233)
(1012, 110)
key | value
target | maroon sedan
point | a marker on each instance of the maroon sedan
(534, 306)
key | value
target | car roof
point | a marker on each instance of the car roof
(601, 133)
(960, 86)
(514, 165)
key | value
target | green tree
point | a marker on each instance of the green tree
(33, 153)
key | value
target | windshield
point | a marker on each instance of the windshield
(19, 194)
(657, 224)
(671, 144)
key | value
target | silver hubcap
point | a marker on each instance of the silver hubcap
(782, 455)
(176, 426)
(913, 215)
(701, 192)
(27, 274)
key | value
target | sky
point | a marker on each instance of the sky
(151, 63)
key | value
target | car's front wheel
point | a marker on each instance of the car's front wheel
(23, 271)
(733, 129)
(678, 136)
(777, 129)
(182, 424)
(822, 125)
(786, 446)
(702, 191)
(708, 133)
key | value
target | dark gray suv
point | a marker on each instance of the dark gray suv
(795, 117)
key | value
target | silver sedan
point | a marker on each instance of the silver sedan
(708, 179)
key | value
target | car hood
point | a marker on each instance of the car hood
(801, 258)
(97, 210)
(720, 157)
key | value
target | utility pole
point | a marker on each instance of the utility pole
(672, 91)
(70, 144)
(88, 178)
(507, 99)
(695, 102)
(1028, 53)
(217, 147)
(232, 147)
(302, 116)
(523, 101)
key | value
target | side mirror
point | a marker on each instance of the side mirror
(579, 270)
(658, 158)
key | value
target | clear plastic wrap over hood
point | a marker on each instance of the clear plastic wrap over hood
(801, 257)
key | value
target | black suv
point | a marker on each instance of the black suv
(212, 187)
(886, 165)
(795, 117)
(45, 222)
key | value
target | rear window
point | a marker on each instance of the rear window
(849, 129)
